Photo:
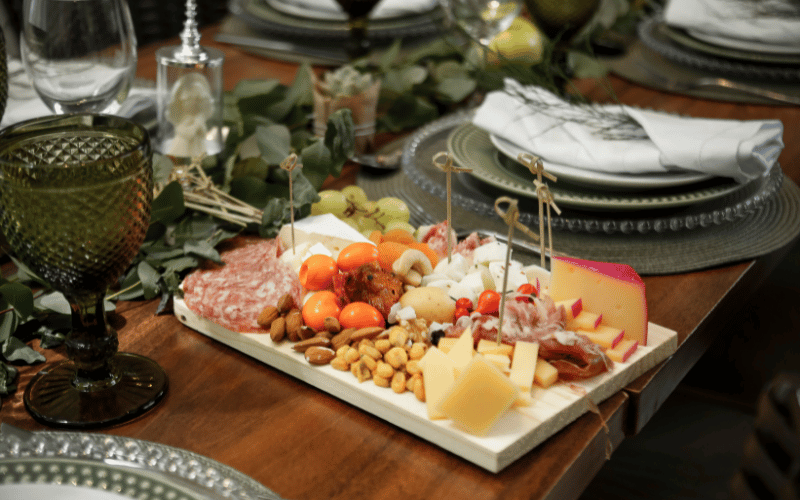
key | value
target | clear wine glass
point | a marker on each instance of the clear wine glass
(75, 195)
(79, 54)
(482, 19)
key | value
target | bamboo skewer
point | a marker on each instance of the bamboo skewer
(289, 164)
(544, 197)
(444, 162)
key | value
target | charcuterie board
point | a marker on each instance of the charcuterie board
(518, 431)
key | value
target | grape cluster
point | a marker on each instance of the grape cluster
(352, 206)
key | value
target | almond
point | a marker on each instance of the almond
(369, 332)
(294, 323)
(317, 355)
(304, 345)
(277, 329)
(285, 304)
(267, 316)
(342, 338)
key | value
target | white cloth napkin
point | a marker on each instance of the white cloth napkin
(330, 10)
(741, 150)
(735, 20)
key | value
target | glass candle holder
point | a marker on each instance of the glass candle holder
(189, 96)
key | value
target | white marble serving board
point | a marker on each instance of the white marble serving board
(518, 431)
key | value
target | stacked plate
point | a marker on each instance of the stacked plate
(734, 57)
(590, 201)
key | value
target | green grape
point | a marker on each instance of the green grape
(351, 222)
(398, 224)
(331, 202)
(367, 224)
(355, 195)
(392, 209)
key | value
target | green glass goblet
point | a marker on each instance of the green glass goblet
(75, 195)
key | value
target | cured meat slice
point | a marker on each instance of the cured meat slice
(436, 238)
(232, 295)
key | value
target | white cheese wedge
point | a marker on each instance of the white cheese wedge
(516, 276)
(455, 269)
(326, 229)
(461, 291)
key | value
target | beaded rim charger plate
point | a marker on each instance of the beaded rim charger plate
(104, 467)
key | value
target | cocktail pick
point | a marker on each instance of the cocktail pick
(444, 162)
(545, 198)
(289, 164)
(511, 218)
(535, 165)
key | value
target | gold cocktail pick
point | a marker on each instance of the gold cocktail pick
(444, 162)
(535, 165)
(289, 164)
(511, 218)
(546, 198)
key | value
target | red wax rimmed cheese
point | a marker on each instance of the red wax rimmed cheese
(614, 290)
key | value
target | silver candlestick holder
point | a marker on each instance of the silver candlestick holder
(189, 84)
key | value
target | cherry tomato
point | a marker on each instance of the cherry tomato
(317, 272)
(488, 302)
(461, 311)
(356, 254)
(527, 290)
(320, 306)
(360, 315)
(464, 303)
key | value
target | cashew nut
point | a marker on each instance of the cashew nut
(412, 265)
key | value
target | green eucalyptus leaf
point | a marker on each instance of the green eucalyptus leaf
(149, 278)
(16, 350)
(251, 167)
(183, 263)
(276, 213)
(274, 142)
(456, 89)
(162, 168)
(168, 205)
(8, 325)
(53, 301)
(202, 249)
(298, 94)
(19, 297)
(251, 190)
(340, 138)
(131, 285)
(389, 56)
(8, 374)
(317, 163)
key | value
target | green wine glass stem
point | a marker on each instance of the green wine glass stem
(92, 343)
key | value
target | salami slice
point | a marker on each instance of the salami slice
(232, 295)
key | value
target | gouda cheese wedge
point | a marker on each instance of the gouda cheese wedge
(614, 290)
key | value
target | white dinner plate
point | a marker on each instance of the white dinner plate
(593, 178)
(747, 45)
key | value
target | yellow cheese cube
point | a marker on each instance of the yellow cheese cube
(545, 374)
(605, 336)
(437, 376)
(573, 307)
(623, 350)
(524, 399)
(585, 320)
(524, 364)
(486, 346)
(478, 396)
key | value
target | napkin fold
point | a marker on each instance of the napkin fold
(739, 20)
(330, 10)
(542, 123)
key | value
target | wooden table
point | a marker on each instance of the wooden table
(304, 444)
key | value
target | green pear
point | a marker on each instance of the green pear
(521, 42)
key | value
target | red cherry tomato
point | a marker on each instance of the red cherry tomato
(360, 315)
(528, 290)
(488, 302)
(317, 272)
(464, 303)
(356, 254)
(461, 311)
(320, 306)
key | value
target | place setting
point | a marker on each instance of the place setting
(632, 183)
